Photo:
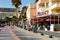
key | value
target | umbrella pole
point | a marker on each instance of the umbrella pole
(50, 19)
(58, 19)
(54, 18)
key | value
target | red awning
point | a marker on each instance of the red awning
(39, 20)
(35, 20)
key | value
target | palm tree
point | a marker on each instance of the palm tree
(20, 17)
(24, 9)
(14, 20)
(36, 0)
(23, 17)
(20, 20)
(8, 20)
(16, 3)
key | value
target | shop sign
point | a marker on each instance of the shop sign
(42, 13)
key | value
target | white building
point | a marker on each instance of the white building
(7, 12)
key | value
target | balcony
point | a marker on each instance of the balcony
(55, 13)
(55, 0)
(42, 8)
(54, 5)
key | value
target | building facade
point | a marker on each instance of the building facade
(47, 11)
(31, 11)
(7, 12)
(50, 10)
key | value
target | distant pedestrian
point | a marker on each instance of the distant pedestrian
(44, 27)
(48, 28)
(33, 28)
(38, 28)
(41, 27)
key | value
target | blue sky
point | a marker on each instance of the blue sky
(8, 4)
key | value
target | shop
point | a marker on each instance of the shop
(53, 21)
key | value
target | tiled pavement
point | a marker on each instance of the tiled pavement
(26, 35)
(47, 36)
(44, 37)
(5, 34)
(22, 34)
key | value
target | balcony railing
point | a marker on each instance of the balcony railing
(53, 5)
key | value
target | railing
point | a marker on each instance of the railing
(43, 7)
(52, 4)
(55, 4)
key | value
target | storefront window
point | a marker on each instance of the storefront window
(43, 4)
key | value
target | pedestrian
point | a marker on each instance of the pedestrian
(48, 28)
(41, 27)
(38, 27)
(33, 28)
(44, 27)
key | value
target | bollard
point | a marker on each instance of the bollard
(0, 29)
(50, 36)
(42, 34)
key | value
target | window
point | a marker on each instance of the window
(47, 4)
(41, 4)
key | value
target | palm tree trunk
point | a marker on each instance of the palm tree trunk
(17, 12)
(23, 24)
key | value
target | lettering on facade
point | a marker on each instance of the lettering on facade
(42, 13)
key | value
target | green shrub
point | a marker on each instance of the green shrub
(46, 25)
